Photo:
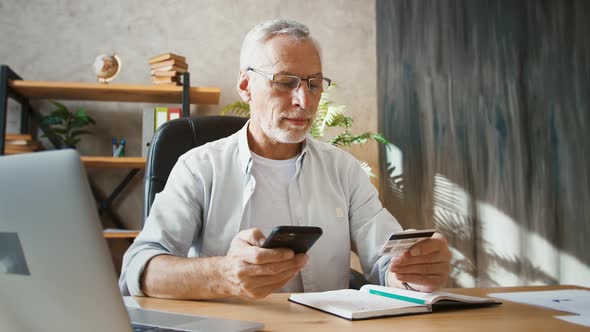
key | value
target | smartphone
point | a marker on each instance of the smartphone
(400, 242)
(297, 238)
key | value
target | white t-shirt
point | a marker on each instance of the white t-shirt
(269, 204)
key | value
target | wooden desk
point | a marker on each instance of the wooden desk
(278, 314)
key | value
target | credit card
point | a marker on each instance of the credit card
(400, 242)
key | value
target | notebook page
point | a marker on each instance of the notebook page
(425, 298)
(349, 300)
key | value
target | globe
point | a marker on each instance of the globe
(106, 67)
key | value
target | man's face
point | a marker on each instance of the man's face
(284, 116)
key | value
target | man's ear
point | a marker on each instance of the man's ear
(244, 86)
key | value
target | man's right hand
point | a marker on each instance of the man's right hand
(255, 272)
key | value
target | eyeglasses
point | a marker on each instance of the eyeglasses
(287, 83)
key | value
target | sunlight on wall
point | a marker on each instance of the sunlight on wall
(534, 256)
(492, 249)
(451, 213)
(395, 169)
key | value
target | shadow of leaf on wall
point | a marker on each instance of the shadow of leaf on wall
(475, 263)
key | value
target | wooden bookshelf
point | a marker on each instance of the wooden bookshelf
(112, 162)
(12, 86)
(113, 92)
(120, 234)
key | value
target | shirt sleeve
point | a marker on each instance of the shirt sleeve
(370, 225)
(175, 220)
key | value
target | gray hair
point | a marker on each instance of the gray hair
(269, 29)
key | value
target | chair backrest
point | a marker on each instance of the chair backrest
(173, 139)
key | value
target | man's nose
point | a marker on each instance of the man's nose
(301, 96)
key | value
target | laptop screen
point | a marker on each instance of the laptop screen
(56, 272)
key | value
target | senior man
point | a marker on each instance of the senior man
(203, 236)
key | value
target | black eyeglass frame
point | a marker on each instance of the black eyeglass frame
(271, 77)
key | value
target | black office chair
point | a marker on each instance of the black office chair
(173, 139)
(176, 137)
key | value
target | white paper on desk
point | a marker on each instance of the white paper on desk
(580, 320)
(130, 302)
(571, 300)
(119, 230)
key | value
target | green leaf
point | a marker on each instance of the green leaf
(71, 141)
(338, 119)
(340, 139)
(80, 113)
(76, 133)
(65, 125)
(58, 130)
(78, 123)
(61, 110)
(58, 105)
(239, 107)
(51, 120)
(381, 139)
(60, 114)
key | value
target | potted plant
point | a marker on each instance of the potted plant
(66, 125)
(328, 115)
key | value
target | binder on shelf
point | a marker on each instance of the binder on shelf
(152, 119)
(174, 113)
(161, 117)
(147, 130)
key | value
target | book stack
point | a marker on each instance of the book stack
(20, 143)
(167, 68)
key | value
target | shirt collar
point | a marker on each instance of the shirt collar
(245, 156)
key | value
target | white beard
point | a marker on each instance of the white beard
(280, 135)
(284, 136)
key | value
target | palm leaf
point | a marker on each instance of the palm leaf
(239, 107)
(338, 119)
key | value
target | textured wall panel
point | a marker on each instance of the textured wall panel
(487, 104)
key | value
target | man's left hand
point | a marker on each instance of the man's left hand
(425, 267)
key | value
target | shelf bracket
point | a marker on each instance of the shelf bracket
(186, 96)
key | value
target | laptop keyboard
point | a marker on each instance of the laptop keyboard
(145, 320)
(145, 328)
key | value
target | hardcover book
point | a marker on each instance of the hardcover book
(167, 63)
(166, 56)
(168, 68)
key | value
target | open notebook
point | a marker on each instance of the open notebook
(373, 301)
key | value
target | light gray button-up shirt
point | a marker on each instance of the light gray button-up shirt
(205, 202)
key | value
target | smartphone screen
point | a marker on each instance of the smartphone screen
(297, 238)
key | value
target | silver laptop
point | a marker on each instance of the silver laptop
(56, 272)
